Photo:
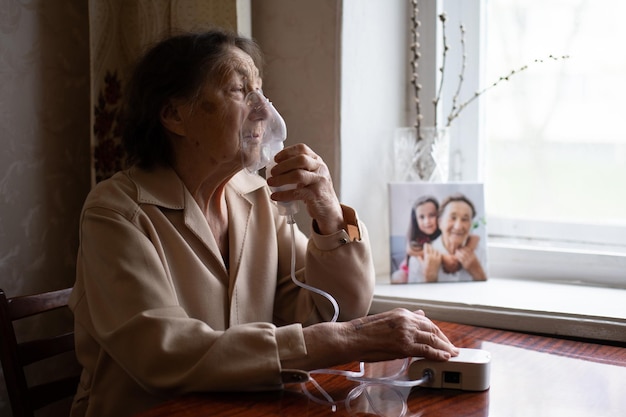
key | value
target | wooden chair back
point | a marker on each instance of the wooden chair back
(15, 356)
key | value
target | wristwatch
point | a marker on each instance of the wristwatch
(352, 224)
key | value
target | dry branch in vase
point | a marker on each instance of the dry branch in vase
(456, 108)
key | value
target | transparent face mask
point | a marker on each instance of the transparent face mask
(262, 132)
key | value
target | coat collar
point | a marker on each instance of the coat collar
(161, 187)
(164, 188)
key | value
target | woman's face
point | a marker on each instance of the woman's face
(426, 214)
(456, 223)
(212, 122)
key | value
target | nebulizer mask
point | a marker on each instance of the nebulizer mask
(262, 135)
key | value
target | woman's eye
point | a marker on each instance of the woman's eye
(238, 90)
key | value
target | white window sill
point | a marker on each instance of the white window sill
(558, 261)
(528, 306)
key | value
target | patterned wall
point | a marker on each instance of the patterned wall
(44, 144)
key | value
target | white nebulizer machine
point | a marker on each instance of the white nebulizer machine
(262, 135)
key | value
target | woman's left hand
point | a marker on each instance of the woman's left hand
(298, 164)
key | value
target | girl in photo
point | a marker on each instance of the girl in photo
(423, 228)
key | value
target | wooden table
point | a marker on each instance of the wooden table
(530, 376)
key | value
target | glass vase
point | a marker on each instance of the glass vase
(423, 160)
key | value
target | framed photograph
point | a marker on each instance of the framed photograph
(437, 232)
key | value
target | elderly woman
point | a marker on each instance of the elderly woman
(184, 267)
(456, 216)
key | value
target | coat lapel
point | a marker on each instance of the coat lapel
(162, 187)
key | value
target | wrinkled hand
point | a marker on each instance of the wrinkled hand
(431, 262)
(298, 164)
(400, 333)
(394, 334)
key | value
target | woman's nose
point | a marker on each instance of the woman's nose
(258, 105)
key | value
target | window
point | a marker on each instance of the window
(562, 118)
(374, 101)
(555, 147)
(559, 243)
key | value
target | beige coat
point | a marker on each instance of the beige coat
(158, 314)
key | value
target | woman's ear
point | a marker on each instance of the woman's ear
(171, 118)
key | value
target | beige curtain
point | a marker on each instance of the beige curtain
(119, 30)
